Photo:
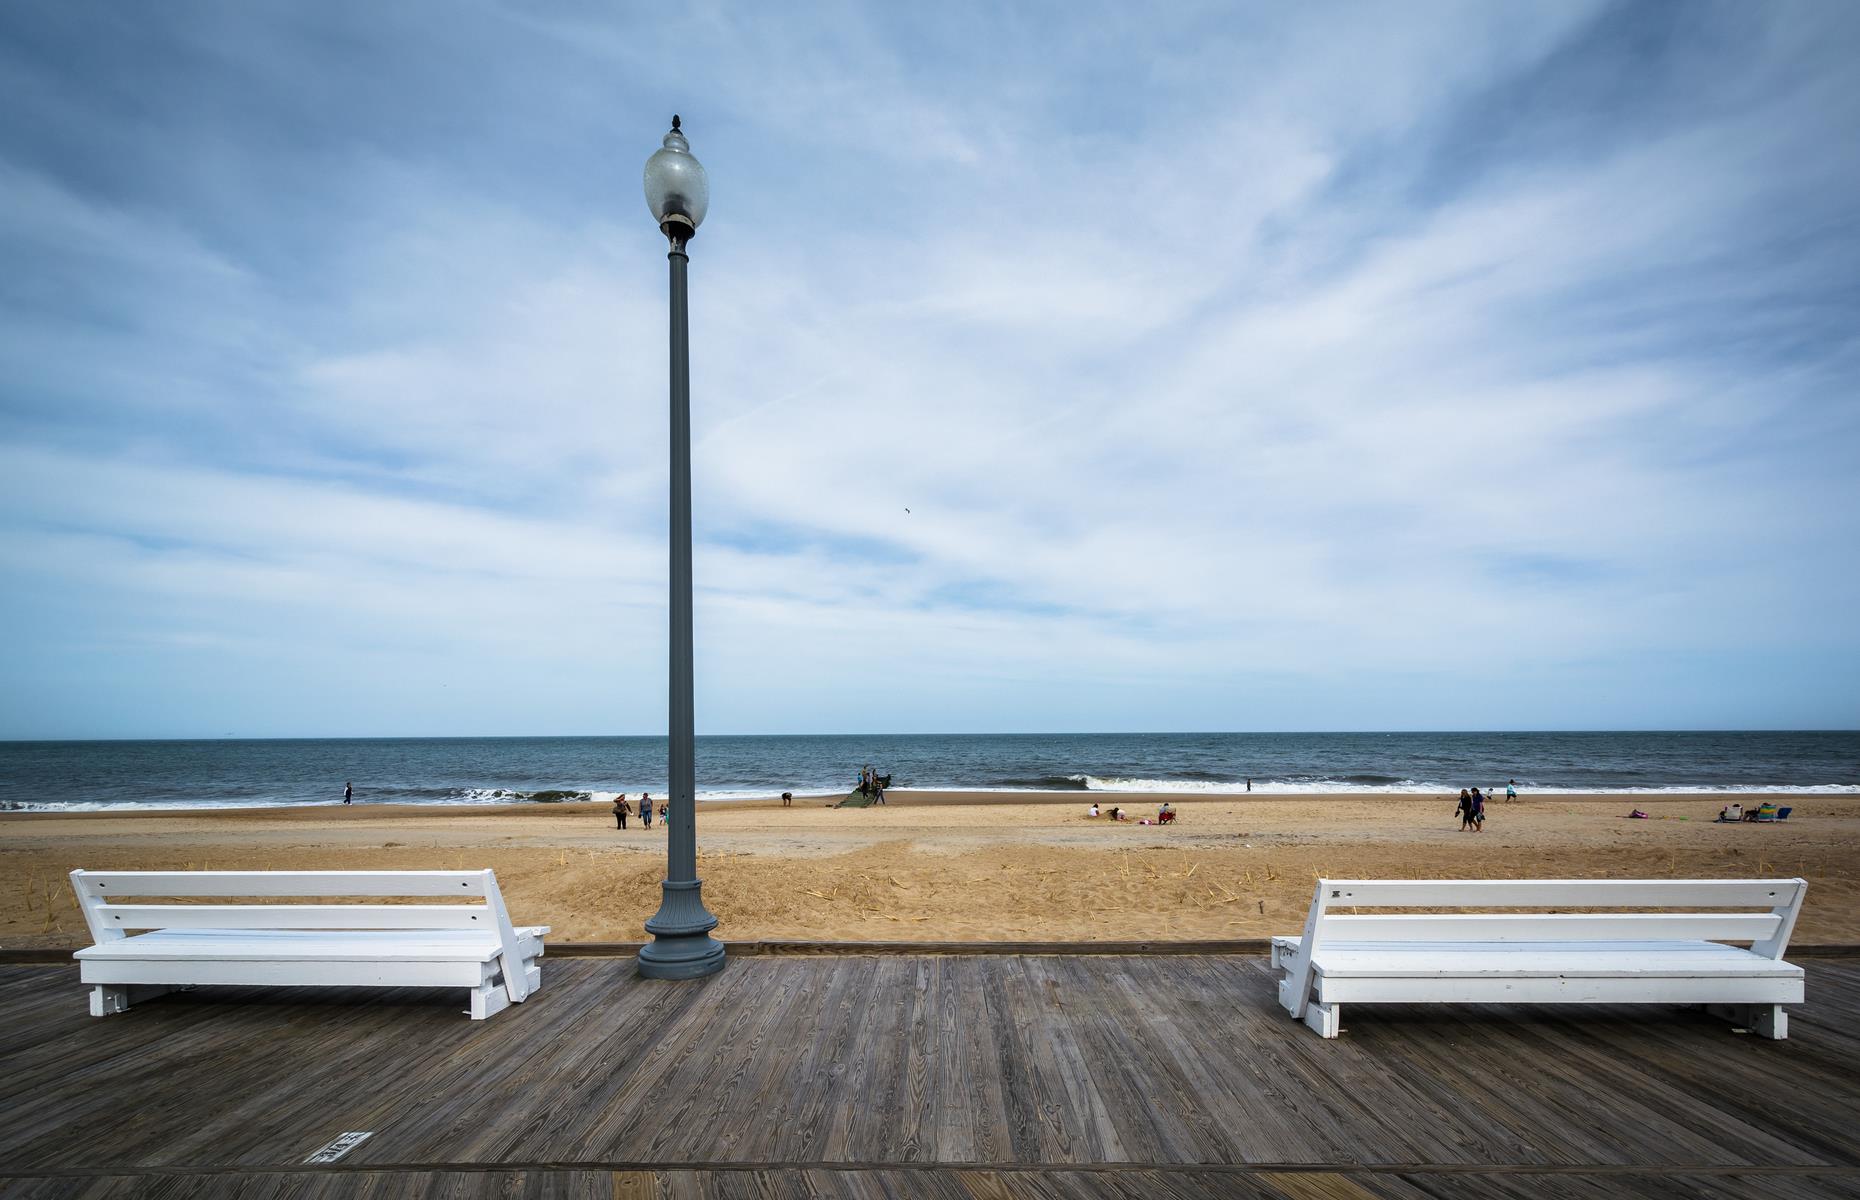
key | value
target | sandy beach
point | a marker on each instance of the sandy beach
(949, 865)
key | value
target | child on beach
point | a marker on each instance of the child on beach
(1093, 810)
(1511, 791)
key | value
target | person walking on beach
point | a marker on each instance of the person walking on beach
(1511, 791)
(1465, 810)
(645, 810)
(1478, 811)
(348, 792)
(620, 811)
(1249, 783)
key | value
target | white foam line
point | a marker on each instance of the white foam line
(1172, 787)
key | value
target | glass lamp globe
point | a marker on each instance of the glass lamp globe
(677, 191)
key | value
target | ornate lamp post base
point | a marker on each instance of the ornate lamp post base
(681, 946)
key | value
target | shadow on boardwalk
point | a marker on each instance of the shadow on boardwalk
(856, 1076)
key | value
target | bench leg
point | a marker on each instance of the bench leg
(487, 1000)
(1325, 1020)
(108, 998)
(1769, 1020)
(492, 997)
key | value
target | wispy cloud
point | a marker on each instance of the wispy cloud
(1472, 366)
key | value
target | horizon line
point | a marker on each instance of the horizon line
(400, 737)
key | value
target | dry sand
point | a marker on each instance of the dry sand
(973, 866)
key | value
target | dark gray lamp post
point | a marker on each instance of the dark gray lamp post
(681, 946)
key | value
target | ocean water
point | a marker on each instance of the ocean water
(190, 774)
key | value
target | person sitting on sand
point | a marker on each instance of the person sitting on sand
(1731, 812)
(621, 809)
(1093, 810)
(1165, 813)
(1117, 814)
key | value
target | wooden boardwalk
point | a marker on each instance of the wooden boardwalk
(866, 1076)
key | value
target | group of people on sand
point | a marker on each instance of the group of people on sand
(872, 784)
(1165, 814)
(1471, 808)
(623, 810)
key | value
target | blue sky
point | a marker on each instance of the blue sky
(1248, 367)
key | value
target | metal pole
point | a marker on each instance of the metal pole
(681, 946)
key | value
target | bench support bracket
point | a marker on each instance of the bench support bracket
(1769, 1020)
(1325, 1020)
(108, 998)
(492, 997)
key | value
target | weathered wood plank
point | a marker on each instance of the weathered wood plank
(940, 1183)
(783, 1069)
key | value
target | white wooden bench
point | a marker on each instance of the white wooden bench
(143, 950)
(1558, 957)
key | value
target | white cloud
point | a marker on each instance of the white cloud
(1209, 402)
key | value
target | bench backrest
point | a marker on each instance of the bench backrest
(1765, 910)
(99, 893)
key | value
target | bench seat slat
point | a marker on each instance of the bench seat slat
(1560, 989)
(1596, 960)
(290, 945)
(286, 972)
